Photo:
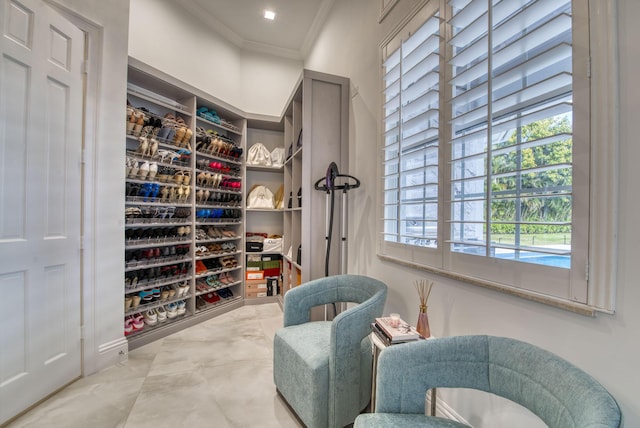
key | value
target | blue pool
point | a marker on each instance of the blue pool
(548, 260)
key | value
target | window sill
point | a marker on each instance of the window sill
(577, 308)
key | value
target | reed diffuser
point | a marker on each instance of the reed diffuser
(423, 287)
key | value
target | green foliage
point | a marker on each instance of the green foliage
(553, 181)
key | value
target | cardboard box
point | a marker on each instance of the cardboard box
(258, 274)
(254, 265)
(255, 284)
(271, 272)
(271, 264)
(255, 294)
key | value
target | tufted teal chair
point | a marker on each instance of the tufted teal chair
(562, 395)
(323, 368)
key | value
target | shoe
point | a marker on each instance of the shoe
(172, 293)
(212, 297)
(150, 318)
(171, 310)
(144, 170)
(145, 190)
(182, 307)
(128, 326)
(146, 297)
(129, 165)
(155, 190)
(161, 313)
(135, 301)
(153, 170)
(213, 282)
(137, 321)
(184, 290)
(133, 172)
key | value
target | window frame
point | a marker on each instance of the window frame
(596, 85)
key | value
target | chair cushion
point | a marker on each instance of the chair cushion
(301, 369)
(397, 420)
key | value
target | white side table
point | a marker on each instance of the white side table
(377, 347)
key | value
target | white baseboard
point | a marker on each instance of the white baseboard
(112, 353)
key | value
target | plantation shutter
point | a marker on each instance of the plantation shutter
(511, 120)
(411, 78)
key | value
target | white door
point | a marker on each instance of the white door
(41, 107)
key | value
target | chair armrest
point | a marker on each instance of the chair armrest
(407, 371)
(299, 300)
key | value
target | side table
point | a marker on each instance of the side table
(377, 347)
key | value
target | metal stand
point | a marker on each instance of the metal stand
(329, 187)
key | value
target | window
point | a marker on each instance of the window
(486, 146)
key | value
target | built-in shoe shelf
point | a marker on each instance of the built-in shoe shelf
(186, 187)
(175, 186)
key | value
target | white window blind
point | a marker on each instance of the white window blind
(487, 147)
(411, 137)
(512, 123)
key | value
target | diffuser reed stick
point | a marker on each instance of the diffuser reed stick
(423, 286)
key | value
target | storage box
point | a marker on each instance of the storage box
(255, 284)
(254, 257)
(272, 245)
(258, 274)
(255, 294)
(254, 266)
(271, 272)
(273, 286)
(253, 246)
(271, 264)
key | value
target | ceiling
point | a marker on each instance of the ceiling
(242, 22)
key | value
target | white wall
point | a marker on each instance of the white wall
(103, 310)
(266, 82)
(166, 37)
(605, 346)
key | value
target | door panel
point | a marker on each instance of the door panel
(41, 84)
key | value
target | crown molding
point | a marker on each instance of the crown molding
(250, 45)
(316, 26)
(212, 22)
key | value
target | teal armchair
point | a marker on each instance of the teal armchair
(562, 395)
(323, 368)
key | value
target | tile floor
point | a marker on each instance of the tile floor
(215, 374)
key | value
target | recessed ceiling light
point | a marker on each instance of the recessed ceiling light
(269, 14)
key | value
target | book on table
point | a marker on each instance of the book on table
(385, 329)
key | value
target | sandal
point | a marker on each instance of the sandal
(214, 248)
(202, 251)
(212, 281)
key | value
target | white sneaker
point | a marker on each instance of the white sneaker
(162, 314)
(150, 318)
